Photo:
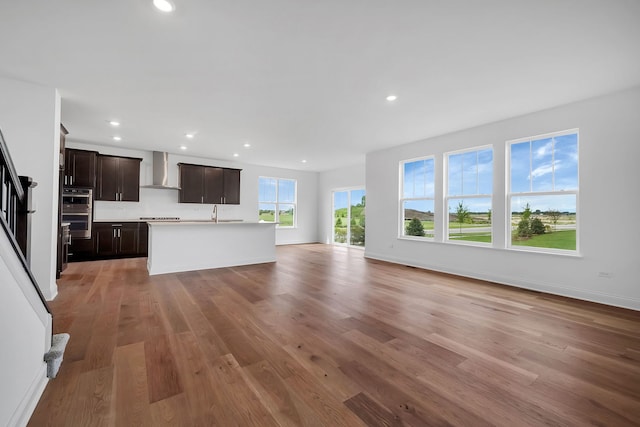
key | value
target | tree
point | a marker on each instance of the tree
(462, 214)
(524, 231)
(554, 215)
(524, 226)
(415, 228)
(489, 215)
(536, 226)
(338, 222)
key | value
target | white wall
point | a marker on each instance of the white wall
(609, 204)
(25, 327)
(163, 202)
(30, 123)
(336, 179)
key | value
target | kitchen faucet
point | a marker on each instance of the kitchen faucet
(214, 214)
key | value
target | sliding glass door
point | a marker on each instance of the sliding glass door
(349, 217)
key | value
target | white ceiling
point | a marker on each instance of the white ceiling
(302, 79)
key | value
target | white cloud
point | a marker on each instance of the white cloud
(543, 151)
(546, 169)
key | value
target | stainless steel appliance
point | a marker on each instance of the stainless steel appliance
(77, 210)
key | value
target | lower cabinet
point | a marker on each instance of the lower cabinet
(81, 250)
(119, 239)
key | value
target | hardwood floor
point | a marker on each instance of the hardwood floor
(325, 337)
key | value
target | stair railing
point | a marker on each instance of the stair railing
(15, 212)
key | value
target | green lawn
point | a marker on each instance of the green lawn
(471, 237)
(286, 219)
(428, 225)
(565, 239)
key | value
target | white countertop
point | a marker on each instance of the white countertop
(181, 221)
(206, 222)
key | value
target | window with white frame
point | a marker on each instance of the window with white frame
(543, 192)
(348, 216)
(277, 201)
(469, 195)
(417, 197)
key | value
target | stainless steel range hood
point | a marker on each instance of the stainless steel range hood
(160, 172)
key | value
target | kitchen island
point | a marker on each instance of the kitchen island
(176, 246)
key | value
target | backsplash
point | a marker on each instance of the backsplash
(164, 203)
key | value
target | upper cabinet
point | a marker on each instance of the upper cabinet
(231, 180)
(79, 168)
(118, 179)
(208, 184)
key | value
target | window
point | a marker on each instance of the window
(417, 197)
(349, 217)
(277, 201)
(469, 195)
(543, 192)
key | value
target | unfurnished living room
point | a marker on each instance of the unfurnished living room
(337, 213)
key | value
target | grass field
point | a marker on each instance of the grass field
(471, 237)
(286, 219)
(565, 239)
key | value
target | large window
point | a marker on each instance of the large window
(417, 198)
(469, 195)
(349, 217)
(277, 201)
(543, 192)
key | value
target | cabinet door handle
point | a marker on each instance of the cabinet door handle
(114, 233)
(119, 232)
(201, 199)
(65, 180)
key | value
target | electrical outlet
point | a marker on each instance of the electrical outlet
(605, 274)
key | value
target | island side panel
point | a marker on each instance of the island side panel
(175, 247)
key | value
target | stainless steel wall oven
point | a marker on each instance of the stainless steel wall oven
(77, 210)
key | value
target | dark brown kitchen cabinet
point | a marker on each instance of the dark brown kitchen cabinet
(191, 184)
(117, 239)
(231, 186)
(209, 184)
(118, 179)
(81, 249)
(143, 246)
(79, 168)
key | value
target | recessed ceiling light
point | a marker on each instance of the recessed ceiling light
(164, 5)
(183, 147)
(117, 138)
(391, 98)
(114, 123)
(304, 161)
(190, 135)
(247, 145)
(235, 154)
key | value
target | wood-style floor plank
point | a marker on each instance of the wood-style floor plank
(325, 337)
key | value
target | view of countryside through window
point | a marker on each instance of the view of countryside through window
(277, 201)
(348, 217)
(543, 189)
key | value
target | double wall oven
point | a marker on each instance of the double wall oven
(77, 210)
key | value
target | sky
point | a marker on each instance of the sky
(536, 166)
(286, 190)
(341, 198)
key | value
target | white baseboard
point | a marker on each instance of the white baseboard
(31, 398)
(598, 297)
